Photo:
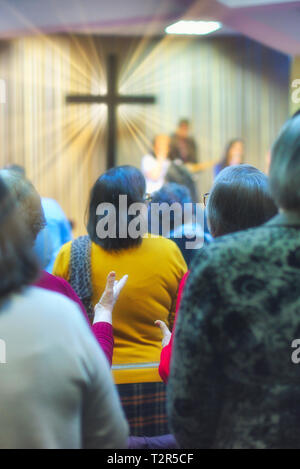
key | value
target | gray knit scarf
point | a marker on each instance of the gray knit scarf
(80, 272)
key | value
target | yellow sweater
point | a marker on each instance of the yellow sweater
(155, 269)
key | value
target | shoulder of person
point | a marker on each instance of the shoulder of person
(52, 205)
(158, 240)
(51, 305)
(234, 247)
(166, 247)
(148, 160)
(65, 249)
(67, 328)
(64, 287)
(148, 156)
(62, 261)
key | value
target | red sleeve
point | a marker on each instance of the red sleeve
(103, 332)
(166, 353)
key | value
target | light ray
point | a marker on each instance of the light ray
(45, 38)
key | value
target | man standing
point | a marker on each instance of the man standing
(183, 147)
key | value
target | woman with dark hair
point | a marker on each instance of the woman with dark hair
(55, 387)
(233, 155)
(238, 328)
(239, 199)
(154, 266)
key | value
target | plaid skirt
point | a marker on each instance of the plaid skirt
(144, 405)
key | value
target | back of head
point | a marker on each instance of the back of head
(239, 199)
(183, 128)
(172, 192)
(120, 181)
(16, 168)
(18, 266)
(285, 166)
(183, 121)
(169, 194)
(27, 200)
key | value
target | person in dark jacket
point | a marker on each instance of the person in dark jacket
(183, 147)
(234, 381)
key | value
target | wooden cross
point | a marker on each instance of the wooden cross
(112, 99)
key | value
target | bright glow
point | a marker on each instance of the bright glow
(193, 27)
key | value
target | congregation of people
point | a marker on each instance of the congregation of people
(141, 342)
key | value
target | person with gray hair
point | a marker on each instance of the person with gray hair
(234, 382)
(28, 199)
(239, 199)
(57, 228)
(285, 168)
(34, 217)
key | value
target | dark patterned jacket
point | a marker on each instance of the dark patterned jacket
(233, 383)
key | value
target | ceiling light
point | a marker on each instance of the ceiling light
(193, 27)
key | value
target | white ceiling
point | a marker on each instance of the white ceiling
(275, 23)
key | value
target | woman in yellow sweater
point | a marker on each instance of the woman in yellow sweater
(154, 266)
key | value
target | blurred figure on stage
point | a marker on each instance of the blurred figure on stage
(184, 159)
(268, 162)
(183, 147)
(155, 165)
(233, 155)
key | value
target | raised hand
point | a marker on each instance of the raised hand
(165, 332)
(105, 306)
